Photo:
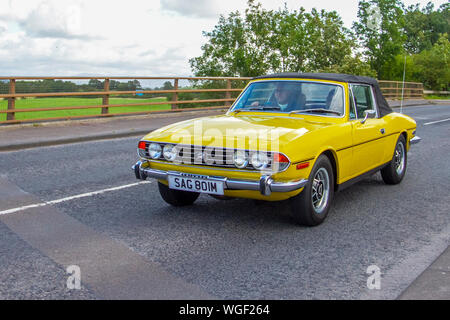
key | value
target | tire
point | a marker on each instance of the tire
(310, 207)
(177, 198)
(395, 170)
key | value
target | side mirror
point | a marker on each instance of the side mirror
(368, 114)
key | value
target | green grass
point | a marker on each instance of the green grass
(30, 103)
(437, 97)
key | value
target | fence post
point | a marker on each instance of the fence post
(397, 93)
(228, 93)
(105, 100)
(11, 100)
(175, 95)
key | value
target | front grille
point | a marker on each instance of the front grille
(206, 156)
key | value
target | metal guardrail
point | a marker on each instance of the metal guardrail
(391, 90)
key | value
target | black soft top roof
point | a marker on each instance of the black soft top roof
(383, 106)
(323, 76)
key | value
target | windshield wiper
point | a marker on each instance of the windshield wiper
(263, 108)
(319, 110)
(256, 108)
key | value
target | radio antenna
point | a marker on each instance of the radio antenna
(403, 86)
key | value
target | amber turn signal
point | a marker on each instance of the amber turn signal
(302, 165)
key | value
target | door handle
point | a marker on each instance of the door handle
(382, 130)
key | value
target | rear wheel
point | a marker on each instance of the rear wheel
(395, 170)
(177, 198)
(310, 207)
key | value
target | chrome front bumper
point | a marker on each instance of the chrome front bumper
(265, 185)
(415, 140)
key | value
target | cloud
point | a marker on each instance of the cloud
(55, 19)
(197, 8)
(3, 27)
(23, 55)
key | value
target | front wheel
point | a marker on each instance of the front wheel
(310, 207)
(177, 198)
(395, 170)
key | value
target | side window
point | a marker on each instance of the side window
(363, 99)
(352, 106)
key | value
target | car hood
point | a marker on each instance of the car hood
(240, 131)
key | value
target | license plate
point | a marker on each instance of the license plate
(203, 185)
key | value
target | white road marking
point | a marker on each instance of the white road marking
(83, 195)
(433, 122)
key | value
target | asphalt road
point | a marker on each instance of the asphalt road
(130, 244)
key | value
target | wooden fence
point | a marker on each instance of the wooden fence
(176, 105)
(391, 90)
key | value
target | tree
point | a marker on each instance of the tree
(262, 41)
(352, 65)
(423, 27)
(167, 85)
(397, 66)
(329, 41)
(379, 29)
(236, 46)
(97, 84)
(432, 67)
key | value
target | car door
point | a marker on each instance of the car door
(368, 150)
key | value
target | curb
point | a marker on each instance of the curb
(433, 283)
(106, 136)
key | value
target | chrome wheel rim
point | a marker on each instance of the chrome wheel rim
(320, 192)
(399, 158)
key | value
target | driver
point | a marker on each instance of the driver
(285, 97)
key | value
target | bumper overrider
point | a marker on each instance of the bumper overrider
(415, 140)
(265, 185)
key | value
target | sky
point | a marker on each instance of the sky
(122, 38)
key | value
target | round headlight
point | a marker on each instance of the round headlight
(154, 150)
(240, 159)
(260, 160)
(170, 152)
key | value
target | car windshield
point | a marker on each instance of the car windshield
(292, 97)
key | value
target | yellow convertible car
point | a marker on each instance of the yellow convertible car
(291, 136)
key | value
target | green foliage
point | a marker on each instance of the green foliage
(352, 65)
(50, 85)
(261, 41)
(432, 67)
(423, 27)
(383, 42)
(396, 67)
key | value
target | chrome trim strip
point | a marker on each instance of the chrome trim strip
(415, 140)
(266, 185)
